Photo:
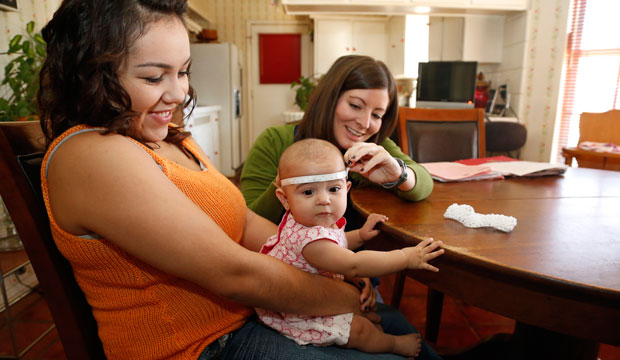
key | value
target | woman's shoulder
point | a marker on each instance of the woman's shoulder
(84, 140)
(89, 148)
(286, 131)
(276, 136)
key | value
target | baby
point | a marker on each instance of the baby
(312, 187)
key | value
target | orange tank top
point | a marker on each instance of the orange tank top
(141, 312)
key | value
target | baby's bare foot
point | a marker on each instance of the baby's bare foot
(408, 345)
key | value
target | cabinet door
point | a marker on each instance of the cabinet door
(369, 38)
(214, 132)
(501, 4)
(483, 38)
(471, 38)
(445, 39)
(333, 38)
(442, 3)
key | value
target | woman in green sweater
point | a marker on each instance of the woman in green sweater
(360, 95)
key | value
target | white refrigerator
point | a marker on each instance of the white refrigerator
(216, 78)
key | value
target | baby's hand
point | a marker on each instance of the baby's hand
(368, 231)
(425, 251)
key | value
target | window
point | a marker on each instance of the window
(591, 67)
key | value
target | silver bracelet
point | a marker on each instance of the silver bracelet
(401, 179)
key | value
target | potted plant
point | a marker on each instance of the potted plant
(21, 76)
(303, 88)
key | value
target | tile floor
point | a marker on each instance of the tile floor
(462, 325)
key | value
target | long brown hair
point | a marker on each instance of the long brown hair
(87, 41)
(348, 73)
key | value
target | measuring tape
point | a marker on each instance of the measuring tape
(315, 178)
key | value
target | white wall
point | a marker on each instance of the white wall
(545, 48)
(533, 51)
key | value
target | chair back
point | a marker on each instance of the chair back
(600, 127)
(430, 135)
(20, 188)
(502, 136)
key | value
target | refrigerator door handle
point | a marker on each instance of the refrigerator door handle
(237, 97)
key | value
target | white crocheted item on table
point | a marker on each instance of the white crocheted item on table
(466, 215)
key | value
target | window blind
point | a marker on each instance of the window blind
(592, 66)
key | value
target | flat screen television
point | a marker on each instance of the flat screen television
(446, 84)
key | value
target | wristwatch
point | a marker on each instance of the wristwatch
(402, 179)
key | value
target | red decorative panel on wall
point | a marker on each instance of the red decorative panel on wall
(279, 58)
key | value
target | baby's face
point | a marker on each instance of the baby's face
(318, 203)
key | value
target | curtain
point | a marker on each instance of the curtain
(591, 66)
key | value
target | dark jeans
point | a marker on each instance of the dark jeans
(257, 342)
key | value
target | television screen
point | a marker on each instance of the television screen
(446, 81)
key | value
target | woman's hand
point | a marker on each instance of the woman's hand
(373, 162)
(368, 296)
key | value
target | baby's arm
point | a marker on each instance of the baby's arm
(329, 256)
(357, 238)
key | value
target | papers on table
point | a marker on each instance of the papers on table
(527, 168)
(451, 171)
(493, 168)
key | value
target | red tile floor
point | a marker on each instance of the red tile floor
(462, 325)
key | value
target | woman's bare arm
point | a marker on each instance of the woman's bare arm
(109, 186)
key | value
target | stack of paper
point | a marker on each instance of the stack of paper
(451, 171)
(490, 168)
(527, 168)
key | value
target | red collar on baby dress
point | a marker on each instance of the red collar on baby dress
(267, 248)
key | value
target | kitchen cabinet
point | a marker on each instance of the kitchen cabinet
(474, 4)
(470, 38)
(339, 36)
(400, 7)
(501, 4)
(204, 124)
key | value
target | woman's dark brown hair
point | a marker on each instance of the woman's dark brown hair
(87, 42)
(348, 73)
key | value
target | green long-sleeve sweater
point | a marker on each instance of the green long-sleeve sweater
(261, 167)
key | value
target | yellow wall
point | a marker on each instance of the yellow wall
(229, 17)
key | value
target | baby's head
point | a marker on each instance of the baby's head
(313, 182)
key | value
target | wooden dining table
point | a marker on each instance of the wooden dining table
(557, 273)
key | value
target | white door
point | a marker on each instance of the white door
(268, 102)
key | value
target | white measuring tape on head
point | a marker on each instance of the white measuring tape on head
(315, 178)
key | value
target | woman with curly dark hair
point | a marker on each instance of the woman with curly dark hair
(160, 242)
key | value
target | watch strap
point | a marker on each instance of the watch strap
(402, 179)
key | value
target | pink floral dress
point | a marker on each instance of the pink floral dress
(287, 246)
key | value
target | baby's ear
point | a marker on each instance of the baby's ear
(281, 195)
(348, 186)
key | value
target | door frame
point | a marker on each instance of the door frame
(278, 26)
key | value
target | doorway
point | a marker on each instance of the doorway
(266, 103)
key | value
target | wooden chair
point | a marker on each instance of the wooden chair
(597, 127)
(430, 135)
(20, 188)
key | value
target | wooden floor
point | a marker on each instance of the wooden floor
(461, 325)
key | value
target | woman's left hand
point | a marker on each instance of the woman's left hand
(368, 296)
(373, 162)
